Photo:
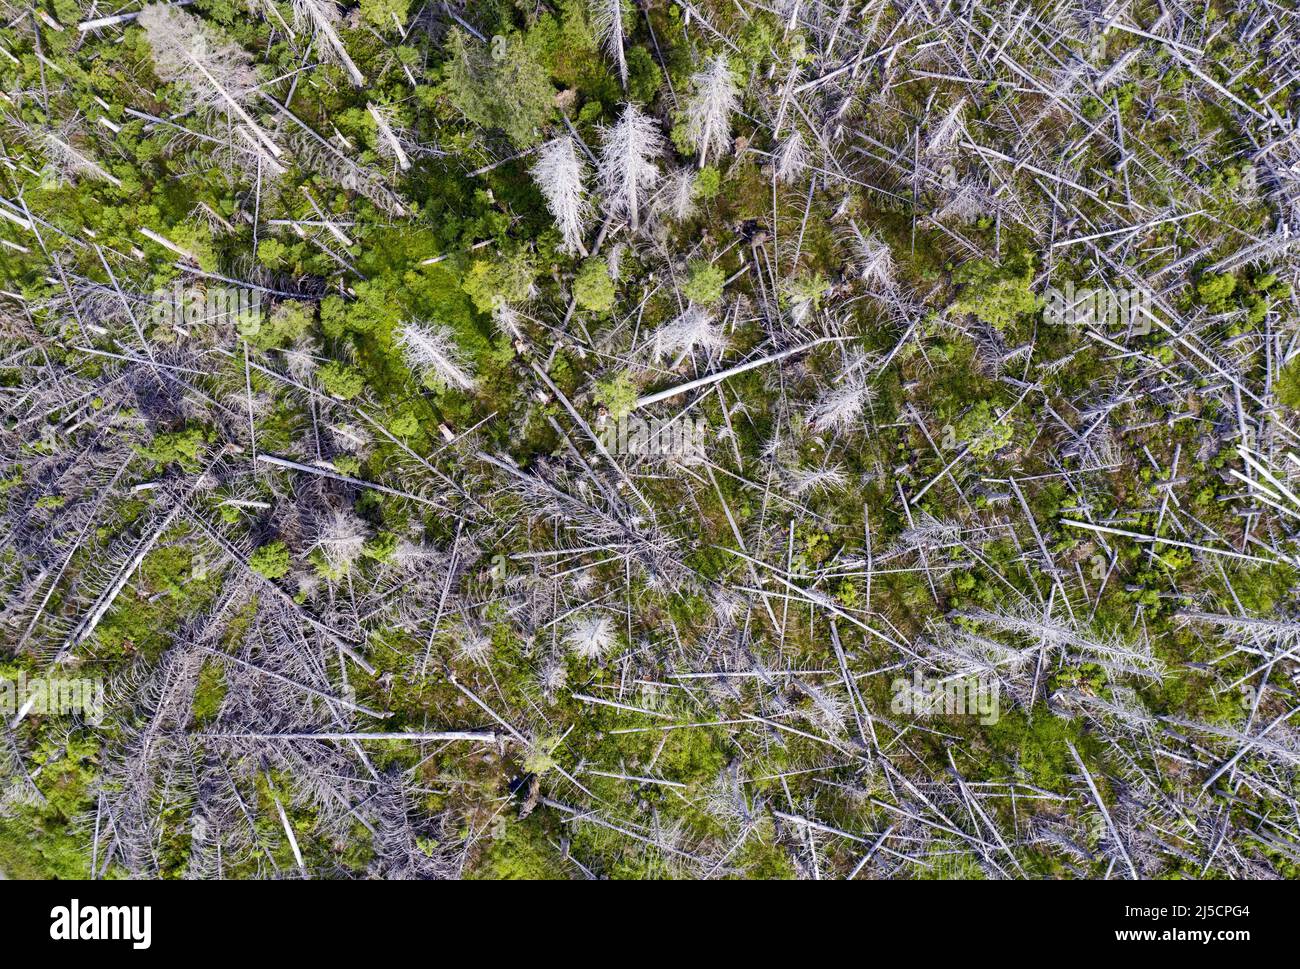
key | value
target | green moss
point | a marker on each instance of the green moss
(1287, 386)
(176, 569)
(272, 253)
(1038, 745)
(39, 841)
(540, 757)
(765, 861)
(520, 853)
(341, 380)
(209, 693)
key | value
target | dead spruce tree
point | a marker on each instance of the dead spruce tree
(628, 169)
(561, 174)
(709, 110)
(607, 19)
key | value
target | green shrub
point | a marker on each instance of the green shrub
(707, 183)
(499, 85)
(592, 286)
(1214, 289)
(997, 295)
(704, 285)
(1288, 384)
(271, 561)
(381, 13)
(286, 323)
(180, 447)
(508, 280)
(618, 394)
(341, 380)
(980, 428)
